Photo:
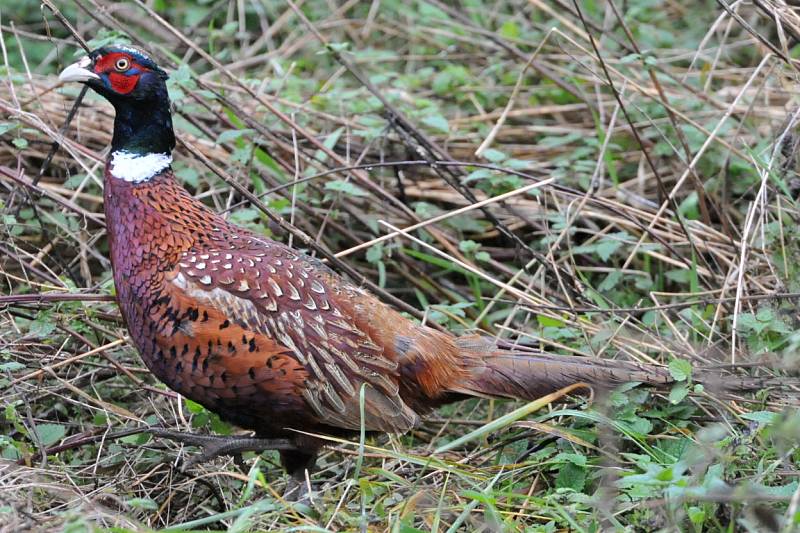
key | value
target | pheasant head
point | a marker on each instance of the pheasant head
(132, 82)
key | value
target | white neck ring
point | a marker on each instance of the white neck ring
(138, 168)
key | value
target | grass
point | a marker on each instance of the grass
(648, 155)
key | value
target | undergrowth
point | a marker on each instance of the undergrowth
(648, 154)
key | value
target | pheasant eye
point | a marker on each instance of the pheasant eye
(122, 64)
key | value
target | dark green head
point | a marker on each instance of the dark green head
(136, 87)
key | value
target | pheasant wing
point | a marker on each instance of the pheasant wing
(272, 290)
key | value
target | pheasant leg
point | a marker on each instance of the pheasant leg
(297, 463)
(215, 445)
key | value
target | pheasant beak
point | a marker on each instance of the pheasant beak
(79, 71)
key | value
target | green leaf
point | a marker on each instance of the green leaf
(50, 433)
(193, 407)
(468, 246)
(232, 135)
(748, 322)
(441, 83)
(571, 476)
(11, 366)
(219, 426)
(437, 122)
(610, 281)
(241, 216)
(606, 248)
(345, 187)
(680, 369)
(7, 126)
(678, 393)
(574, 458)
(510, 29)
(408, 528)
(479, 174)
(188, 175)
(375, 253)
(495, 156)
(547, 321)
(339, 47)
(43, 326)
(142, 503)
(678, 276)
(762, 417)
(696, 515)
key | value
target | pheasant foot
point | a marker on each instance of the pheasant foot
(215, 445)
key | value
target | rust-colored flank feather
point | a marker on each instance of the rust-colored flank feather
(265, 336)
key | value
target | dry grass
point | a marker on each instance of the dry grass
(668, 230)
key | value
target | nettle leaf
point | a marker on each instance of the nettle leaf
(43, 326)
(50, 433)
(495, 156)
(339, 47)
(220, 426)
(104, 37)
(678, 393)
(468, 246)
(437, 122)
(7, 126)
(426, 210)
(606, 248)
(439, 313)
(571, 476)
(465, 223)
(548, 321)
(242, 154)
(232, 135)
(550, 332)
(74, 181)
(11, 366)
(241, 216)
(680, 369)
(510, 29)
(560, 140)
(697, 515)
(679, 276)
(441, 83)
(480, 174)
(188, 175)
(142, 503)
(138, 439)
(345, 187)
(762, 417)
(610, 281)
(765, 314)
(193, 407)
(182, 76)
(574, 458)
(748, 321)
(375, 253)
(637, 424)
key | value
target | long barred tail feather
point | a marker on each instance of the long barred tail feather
(502, 373)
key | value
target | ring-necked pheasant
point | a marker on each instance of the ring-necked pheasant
(267, 337)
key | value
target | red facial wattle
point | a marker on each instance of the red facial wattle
(121, 81)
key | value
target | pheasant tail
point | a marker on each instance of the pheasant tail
(501, 373)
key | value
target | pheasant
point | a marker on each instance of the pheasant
(269, 338)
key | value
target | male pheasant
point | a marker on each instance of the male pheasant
(263, 335)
